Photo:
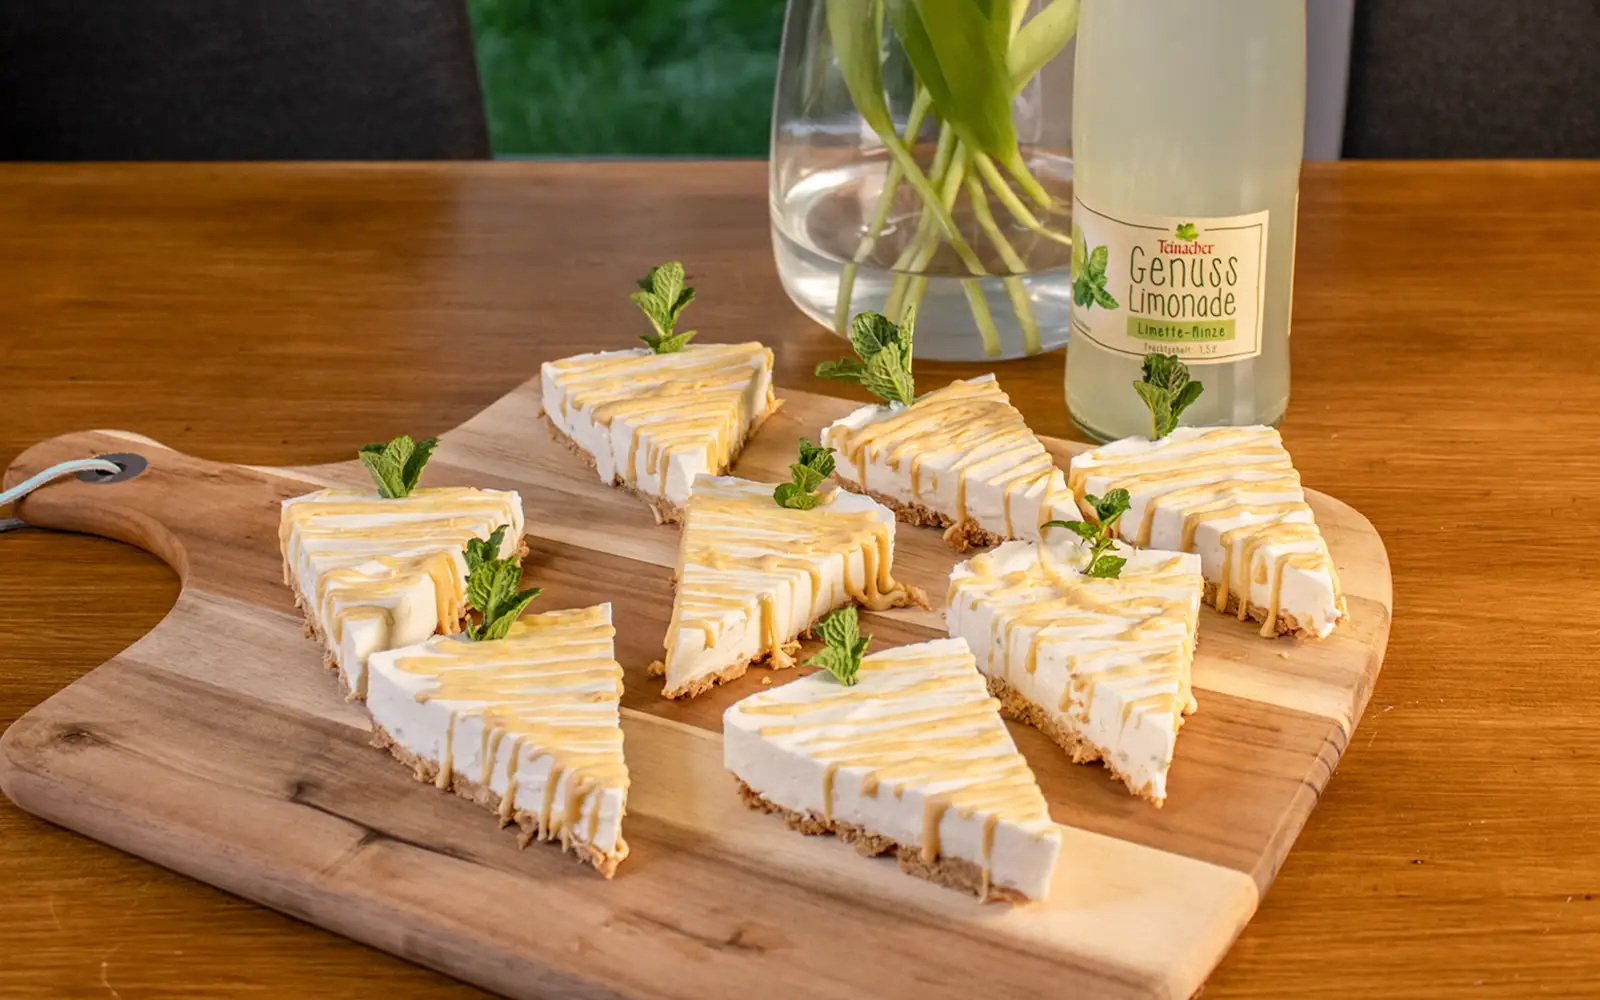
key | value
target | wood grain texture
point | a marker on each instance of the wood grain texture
(217, 746)
(1445, 360)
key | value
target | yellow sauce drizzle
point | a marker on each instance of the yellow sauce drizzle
(551, 689)
(692, 401)
(1219, 475)
(970, 429)
(915, 721)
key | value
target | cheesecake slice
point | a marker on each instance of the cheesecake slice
(912, 759)
(527, 726)
(652, 422)
(372, 573)
(960, 458)
(1101, 666)
(753, 575)
(1232, 496)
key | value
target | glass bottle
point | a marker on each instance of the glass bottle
(1188, 125)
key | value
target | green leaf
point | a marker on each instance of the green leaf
(662, 295)
(957, 48)
(1109, 508)
(397, 466)
(508, 613)
(1106, 567)
(1040, 40)
(1083, 529)
(1186, 396)
(1167, 390)
(843, 645)
(1098, 259)
(411, 474)
(816, 457)
(1103, 298)
(480, 550)
(1165, 371)
(843, 370)
(886, 377)
(872, 332)
(1187, 232)
(855, 27)
(815, 465)
(795, 497)
(1159, 402)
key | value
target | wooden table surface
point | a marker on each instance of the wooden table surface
(1447, 384)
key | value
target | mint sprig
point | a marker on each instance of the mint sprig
(1100, 533)
(492, 588)
(883, 348)
(1089, 279)
(815, 465)
(397, 466)
(661, 297)
(843, 645)
(1167, 390)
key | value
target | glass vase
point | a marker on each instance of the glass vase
(932, 179)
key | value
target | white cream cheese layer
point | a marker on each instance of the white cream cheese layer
(1106, 661)
(377, 573)
(752, 575)
(962, 451)
(1231, 495)
(915, 751)
(533, 718)
(656, 421)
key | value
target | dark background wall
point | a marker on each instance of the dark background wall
(1474, 78)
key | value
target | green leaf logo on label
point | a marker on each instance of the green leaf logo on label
(1186, 232)
(1089, 287)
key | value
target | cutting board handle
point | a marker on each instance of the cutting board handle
(175, 508)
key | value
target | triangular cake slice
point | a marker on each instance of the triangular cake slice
(527, 726)
(1231, 495)
(961, 458)
(913, 758)
(373, 573)
(653, 422)
(1101, 666)
(753, 575)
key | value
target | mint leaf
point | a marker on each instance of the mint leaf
(843, 370)
(397, 466)
(1167, 390)
(1099, 257)
(1106, 567)
(1109, 508)
(662, 296)
(815, 465)
(1083, 529)
(1103, 298)
(492, 588)
(795, 497)
(871, 333)
(884, 350)
(843, 645)
(480, 550)
(1188, 394)
(411, 473)
(887, 377)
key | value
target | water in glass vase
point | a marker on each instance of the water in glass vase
(818, 229)
(1188, 119)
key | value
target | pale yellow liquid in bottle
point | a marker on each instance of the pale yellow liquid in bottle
(1191, 108)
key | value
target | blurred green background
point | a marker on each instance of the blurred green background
(628, 77)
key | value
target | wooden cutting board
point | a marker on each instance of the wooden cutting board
(219, 746)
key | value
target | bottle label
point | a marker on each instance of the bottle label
(1191, 287)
